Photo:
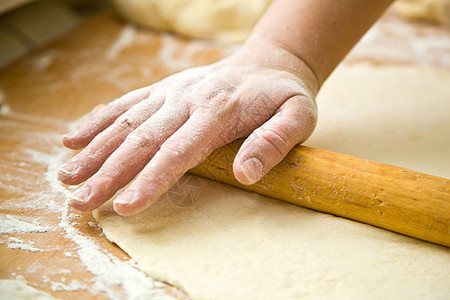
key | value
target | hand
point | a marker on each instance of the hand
(161, 131)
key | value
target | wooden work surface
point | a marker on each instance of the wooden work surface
(42, 96)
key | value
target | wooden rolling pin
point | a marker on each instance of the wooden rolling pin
(394, 198)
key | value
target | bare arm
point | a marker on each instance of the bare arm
(319, 32)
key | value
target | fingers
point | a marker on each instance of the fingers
(102, 118)
(88, 162)
(269, 144)
(129, 159)
(190, 145)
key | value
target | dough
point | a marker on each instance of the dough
(398, 115)
(436, 11)
(223, 20)
(19, 290)
(228, 243)
(233, 20)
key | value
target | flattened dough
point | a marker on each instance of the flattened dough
(233, 244)
(19, 290)
(399, 115)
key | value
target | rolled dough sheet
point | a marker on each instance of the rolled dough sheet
(19, 290)
(233, 244)
(398, 115)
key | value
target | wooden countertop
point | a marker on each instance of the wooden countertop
(63, 252)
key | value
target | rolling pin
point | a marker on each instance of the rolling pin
(393, 198)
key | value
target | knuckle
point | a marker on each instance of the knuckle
(306, 107)
(137, 94)
(148, 178)
(114, 105)
(186, 154)
(305, 118)
(92, 123)
(279, 140)
(175, 147)
(139, 139)
(125, 123)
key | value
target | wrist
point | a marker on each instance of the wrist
(270, 54)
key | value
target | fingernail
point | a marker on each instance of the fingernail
(68, 168)
(126, 198)
(252, 169)
(81, 195)
(69, 135)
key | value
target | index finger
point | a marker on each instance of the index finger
(103, 117)
(186, 148)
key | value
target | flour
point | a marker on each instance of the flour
(74, 285)
(20, 224)
(15, 243)
(167, 54)
(68, 254)
(26, 121)
(4, 107)
(397, 40)
(44, 60)
(174, 60)
(38, 267)
(125, 39)
(108, 270)
(40, 137)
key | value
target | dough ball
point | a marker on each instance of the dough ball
(436, 11)
(223, 20)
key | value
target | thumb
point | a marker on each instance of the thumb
(293, 123)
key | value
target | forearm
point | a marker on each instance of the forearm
(319, 32)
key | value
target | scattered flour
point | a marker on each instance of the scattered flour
(15, 243)
(125, 39)
(45, 60)
(18, 289)
(93, 225)
(20, 224)
(175, 60)
(68, 254)
(398, 40)
(109, 272)
(74, 285)
(4, 107)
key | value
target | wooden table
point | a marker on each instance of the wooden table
(42, 96)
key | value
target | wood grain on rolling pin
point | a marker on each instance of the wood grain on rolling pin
(394, 198)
